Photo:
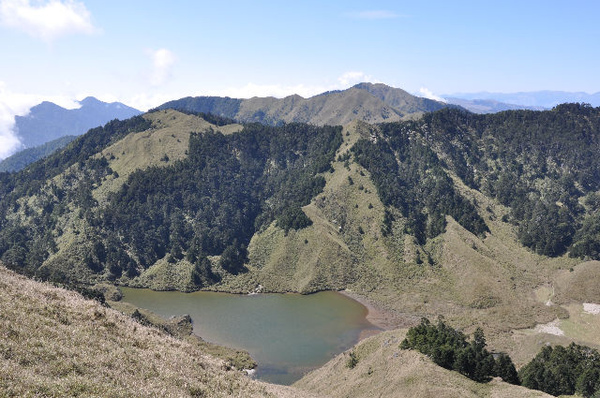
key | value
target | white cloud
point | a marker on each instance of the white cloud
(351, 78)
(145, 101)
(343, 82)
(162, 66)
(373, 14)
(425, 92)
(46, 20)
(9, 143)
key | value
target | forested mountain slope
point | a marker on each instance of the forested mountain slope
(27, 156)
(453, 213)
(213, 191)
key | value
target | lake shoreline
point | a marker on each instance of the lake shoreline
(383, 319)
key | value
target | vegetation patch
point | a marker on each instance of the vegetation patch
(564, 371)
(449, 348)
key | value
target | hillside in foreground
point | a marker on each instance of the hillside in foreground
(384, 370)
(57, 344)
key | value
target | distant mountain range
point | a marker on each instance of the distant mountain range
(488, 106)
(43, 130)
(372, 103)
(48, 121)
(531, 100)
(49, 127)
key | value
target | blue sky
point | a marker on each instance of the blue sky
(144, 53)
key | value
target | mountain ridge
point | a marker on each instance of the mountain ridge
(21, 159)
(48, 121)
(370, 102)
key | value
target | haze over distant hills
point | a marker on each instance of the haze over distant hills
(49, 127)
(27, 156)
(48, 121)
(372, 103)
(488, 106)
(533, 99)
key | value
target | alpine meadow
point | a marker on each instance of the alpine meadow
(472, 239)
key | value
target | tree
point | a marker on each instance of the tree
(563, 371)
(233, 258)
(449, 348)
(505, 368)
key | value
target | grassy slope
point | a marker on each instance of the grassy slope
(384, 370)
(474, 282)
(168, 136)
(331, 108)
(489, 282)
(54, 343)
(332, 253)
(493, 282)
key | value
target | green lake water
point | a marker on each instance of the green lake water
(287, 334)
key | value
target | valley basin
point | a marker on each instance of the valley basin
(286, 334)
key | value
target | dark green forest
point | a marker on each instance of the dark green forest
(539, 164)
(211, 203)
(409, 176)
(543, 166)
(450, 349)
(564, 371)
(26, 242)
(215, 200)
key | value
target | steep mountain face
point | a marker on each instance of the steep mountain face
(372, 103)
(451, 213)
(48, 121)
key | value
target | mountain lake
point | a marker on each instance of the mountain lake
(286, 334)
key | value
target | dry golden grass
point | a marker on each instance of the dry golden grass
(53, 343)
(384, 370)
(169, 135)
(334, 109)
